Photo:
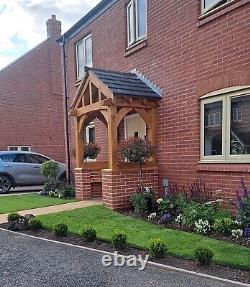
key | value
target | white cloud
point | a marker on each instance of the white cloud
(22, 22)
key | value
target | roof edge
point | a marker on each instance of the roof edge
(23, 56)
(94, 13)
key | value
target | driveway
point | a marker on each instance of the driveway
(23, 190)
(26, 262)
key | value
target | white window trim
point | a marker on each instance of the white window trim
(135, 27)
(84, 53)
(90, 126)
(19, 148)
(212, 7)
(226, 157)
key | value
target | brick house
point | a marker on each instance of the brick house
(195, 55)
(32, 99)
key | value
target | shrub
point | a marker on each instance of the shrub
(60, 229)
(67, 191)
(88, 234)
(247, 232)
(91, 150)
(157, 248)
(224, 226)
(193, 212)
(119, 239)
(137, 150)
(243, 206)
(35, 224)
(143, 202)
(203, 255)
(50, 169)
(13, 217)
(202, 226)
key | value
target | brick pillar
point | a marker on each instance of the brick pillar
(117, 186)
(82, 184)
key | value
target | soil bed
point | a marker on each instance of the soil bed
(213, 269)
(243, 241)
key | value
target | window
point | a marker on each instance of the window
(83, 56)
(19, 148)
(36, 158)
(225, 126)
(207, 5)
(90, 133)
(136, 20)
(8, 157)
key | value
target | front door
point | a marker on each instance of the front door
(134, 126)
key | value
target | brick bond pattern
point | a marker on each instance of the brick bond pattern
(31, 99)
(186, 57)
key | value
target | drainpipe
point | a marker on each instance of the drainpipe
(66, 117)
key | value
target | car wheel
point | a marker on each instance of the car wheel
(5, 184)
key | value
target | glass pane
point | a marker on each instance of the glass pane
(25, 148)
(8, 157)
(11, 148)
(88, 52)
(240, 126)
(91, 135)
(80, 60)
(213, 129)
(212, 3)
(142, 17)
(130, 24)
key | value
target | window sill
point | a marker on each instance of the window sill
(136, 46)
(228, 166)
(219, 11)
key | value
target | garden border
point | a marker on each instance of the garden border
(154, 264)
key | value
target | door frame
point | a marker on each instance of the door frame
(126, 124)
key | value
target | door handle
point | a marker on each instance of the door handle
(36, 166)
(7, 165)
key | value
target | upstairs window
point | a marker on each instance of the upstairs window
(136, 20)
(207, 5)
(19, 148)
(225, 127)
(83, 56)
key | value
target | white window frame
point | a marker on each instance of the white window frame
(18, 148)
(212, 7)
(84, 55)
(224, 95)
(135, 23)
(90, 126)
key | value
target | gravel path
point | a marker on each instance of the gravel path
(30, 262)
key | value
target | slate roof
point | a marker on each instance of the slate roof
(127, 84)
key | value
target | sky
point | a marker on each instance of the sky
(23, 23)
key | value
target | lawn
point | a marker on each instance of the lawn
(140, 233)
(15, 203)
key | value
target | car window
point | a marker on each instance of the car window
(35, 158)
(8, 157)
(20, 158)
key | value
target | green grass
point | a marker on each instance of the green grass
(14, 203)
(179, 243)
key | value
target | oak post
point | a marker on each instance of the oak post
(112, 137)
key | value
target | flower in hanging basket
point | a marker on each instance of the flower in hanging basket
(91, 150)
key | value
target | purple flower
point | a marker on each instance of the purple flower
(165, 217)
(247, 232)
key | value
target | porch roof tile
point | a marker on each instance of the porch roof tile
(127, 84)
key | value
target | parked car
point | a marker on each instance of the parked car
(19, 168)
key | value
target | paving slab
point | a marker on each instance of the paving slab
(55, 208)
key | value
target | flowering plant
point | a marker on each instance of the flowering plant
(137, 150)
(202, 226)
(243, 205)
(165, 217)
(91, 150)
(152, 216)
(179, 219)
(237, 233)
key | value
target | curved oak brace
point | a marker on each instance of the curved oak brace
(121, 114)
(81, 123)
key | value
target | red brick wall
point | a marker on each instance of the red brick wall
(31, 100)
(186, 57)
(117, 186)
